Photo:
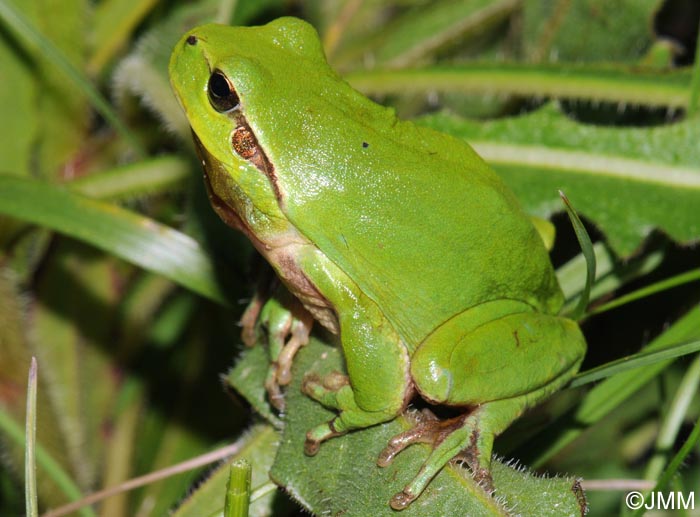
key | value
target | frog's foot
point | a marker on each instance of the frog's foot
(287, 325)
(334, 391)
(468, 437)
(324, 390)
(273, 389)
(287, 342)
(298, 336)
(425, 426)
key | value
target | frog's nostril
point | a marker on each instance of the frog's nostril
(192, 40)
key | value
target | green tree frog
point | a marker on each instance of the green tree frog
(397, 238)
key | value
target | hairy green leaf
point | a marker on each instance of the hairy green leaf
(428, 28)
(588, 29)
(346, 466)
(628, 181)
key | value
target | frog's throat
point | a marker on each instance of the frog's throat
(227, 214)
(280, 250)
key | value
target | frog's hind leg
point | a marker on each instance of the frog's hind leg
(497, 359)
(459, 436)
(468, 437)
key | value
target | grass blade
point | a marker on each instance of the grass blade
(663, 285)
(132, 237)
(30, 490)
(675, 463)
(135, 179)
(636, 361)
(46, 462)
(589, 254)
(27, 33)
(674, 419)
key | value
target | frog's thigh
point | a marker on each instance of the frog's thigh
(495, 351)
(375, 356)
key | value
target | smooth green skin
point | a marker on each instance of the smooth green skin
(435, 278)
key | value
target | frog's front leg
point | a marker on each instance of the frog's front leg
(282, 322)
(288, 325)
(378, 385)
(499, 368)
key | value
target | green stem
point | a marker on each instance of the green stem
(658, 287)
(694, 101)
(603, 83)
(238, 490)
(675, 463)
(672, 422)
(638, 360)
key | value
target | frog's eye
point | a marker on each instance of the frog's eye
(222, 96)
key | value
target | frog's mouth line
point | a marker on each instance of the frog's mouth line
(227, 213)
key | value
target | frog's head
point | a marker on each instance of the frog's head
(240, 88)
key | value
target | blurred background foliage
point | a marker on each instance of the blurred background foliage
(118, 277)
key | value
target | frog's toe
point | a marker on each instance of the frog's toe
(273, 389)
(429, 429)
(484, 478)
(319, 434)
(460, 437)
(420, 433)
(249, 321)
(311, 446)
(478, 464)
(401, 500)
(298, 337)
(327, 389)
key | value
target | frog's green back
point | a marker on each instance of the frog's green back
(426, 229)
(414, 217)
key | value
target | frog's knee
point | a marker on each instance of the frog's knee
(432, 371)
(433, 380)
